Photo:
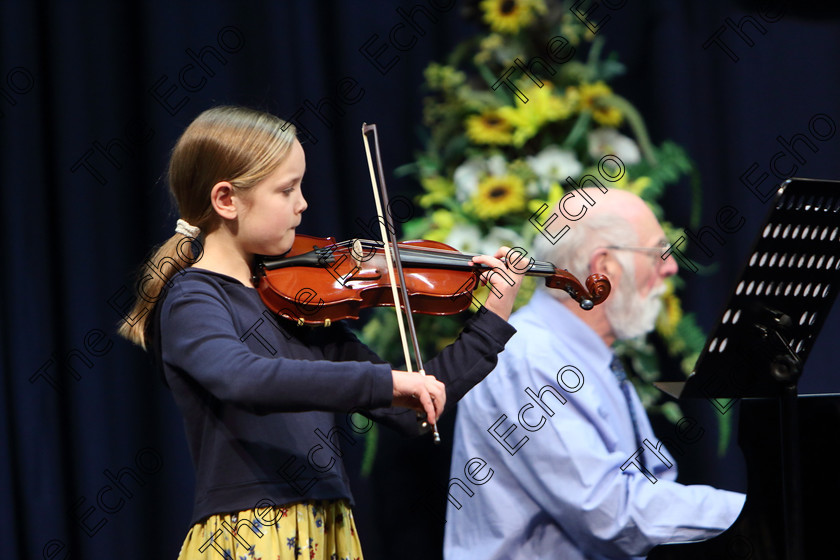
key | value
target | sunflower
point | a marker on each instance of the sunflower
(592, 99)
(671, 313)
(490, 127)
(498, 195)
(589, 93)
(543, 106)
(607, 115)
(509, 16)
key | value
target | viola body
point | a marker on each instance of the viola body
(319, 281)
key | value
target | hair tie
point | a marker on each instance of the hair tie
(184, 228)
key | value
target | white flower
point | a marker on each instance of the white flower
(554, 164)
(497, 165)
(605, 141)
(469, 174)
(464, 237)
(467, 238)
(499, 236)
(466, 178)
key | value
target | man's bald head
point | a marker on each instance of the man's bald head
(594, 203)
(605, 238)
(616, 217)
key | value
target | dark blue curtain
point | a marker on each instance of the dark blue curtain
(94, 94)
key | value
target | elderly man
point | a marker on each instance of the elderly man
(554, 456)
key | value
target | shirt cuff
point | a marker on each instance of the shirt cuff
(492, 326)
(381, 387)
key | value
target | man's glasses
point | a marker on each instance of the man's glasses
(656, 251)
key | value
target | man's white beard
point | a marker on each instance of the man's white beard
(628, 314)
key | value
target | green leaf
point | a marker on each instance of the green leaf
(579, 130)
(371, 444)
(416, 227)
(724, 432)
(407, 169)
(672, 411)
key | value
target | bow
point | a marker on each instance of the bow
(392, 257)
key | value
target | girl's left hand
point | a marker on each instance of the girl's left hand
(504, 282)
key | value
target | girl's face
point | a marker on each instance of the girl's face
(271, 209)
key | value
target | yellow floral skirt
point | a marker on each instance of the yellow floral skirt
(314, 530)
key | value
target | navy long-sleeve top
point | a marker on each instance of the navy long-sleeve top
(259, 395)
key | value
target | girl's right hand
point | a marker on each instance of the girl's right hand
(423, 393)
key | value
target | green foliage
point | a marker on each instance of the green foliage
(491, 160)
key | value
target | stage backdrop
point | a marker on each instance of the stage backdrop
(93, 96)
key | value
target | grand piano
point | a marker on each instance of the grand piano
(755, 356)
(759, 532)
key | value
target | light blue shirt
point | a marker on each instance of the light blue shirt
(550, 479)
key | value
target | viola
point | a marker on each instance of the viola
(319, 280)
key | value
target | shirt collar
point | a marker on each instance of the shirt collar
(575, 332)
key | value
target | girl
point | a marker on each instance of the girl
(258, 393)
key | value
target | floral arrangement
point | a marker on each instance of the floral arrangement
(491, 160)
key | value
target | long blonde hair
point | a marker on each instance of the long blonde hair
(234, 144)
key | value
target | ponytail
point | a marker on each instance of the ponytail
(173, 257)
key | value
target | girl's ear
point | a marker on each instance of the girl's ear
(222, 199)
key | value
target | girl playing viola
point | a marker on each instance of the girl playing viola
(259, 394)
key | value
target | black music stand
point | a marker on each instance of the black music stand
(772, 319)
